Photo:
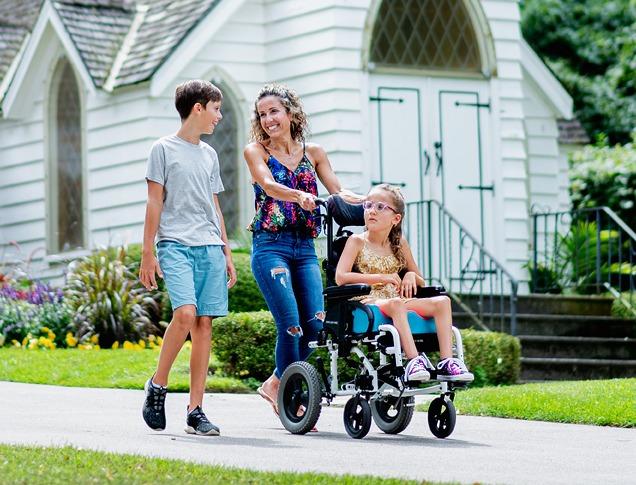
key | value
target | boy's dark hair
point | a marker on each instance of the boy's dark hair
(195, 91)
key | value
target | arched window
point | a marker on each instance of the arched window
(66, 181)
(425, 34)
(225, 141)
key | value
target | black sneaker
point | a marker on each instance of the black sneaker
(197, 423)
(154, 410)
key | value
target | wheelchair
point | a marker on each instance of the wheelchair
(362, 339)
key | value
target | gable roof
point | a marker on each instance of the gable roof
(16, 21)
(120, 42)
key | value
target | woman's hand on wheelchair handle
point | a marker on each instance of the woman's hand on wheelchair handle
(408, 289)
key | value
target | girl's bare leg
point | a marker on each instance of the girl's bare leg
(396, 310)
(438, 307)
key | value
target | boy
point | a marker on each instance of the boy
(194, 255)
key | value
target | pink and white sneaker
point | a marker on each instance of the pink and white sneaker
(453, 369)
(415, 370)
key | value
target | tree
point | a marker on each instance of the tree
(591, 47)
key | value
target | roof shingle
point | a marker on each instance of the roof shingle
(98, 29)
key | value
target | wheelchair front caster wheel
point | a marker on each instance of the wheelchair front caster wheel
(299, 398)
(441, 417)
(357, 417)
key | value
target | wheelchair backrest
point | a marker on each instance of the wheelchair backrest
(345, 215)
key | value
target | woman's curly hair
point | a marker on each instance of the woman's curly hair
(299, 127)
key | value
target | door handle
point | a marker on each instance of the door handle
(378, 182)
(427, 157)
(438, 157)
(476, 187)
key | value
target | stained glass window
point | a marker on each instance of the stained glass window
(69, 187)
(425, 34)
(225, 141)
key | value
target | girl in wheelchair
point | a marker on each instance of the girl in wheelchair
(377, 257)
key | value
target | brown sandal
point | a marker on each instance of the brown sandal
(269, 399)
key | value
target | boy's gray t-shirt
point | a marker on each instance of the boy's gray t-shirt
(190, 177)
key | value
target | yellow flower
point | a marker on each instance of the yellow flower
(70, 340)
(51, 336)
(142, 344)
(45, 329)
(128, 345)
(151, 338)
(17, 344)
(85, 346)
(33, 344)
(95, 339)
(97, 347)
(115, 346)
(159, 341)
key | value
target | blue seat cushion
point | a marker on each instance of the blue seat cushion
(418, 324)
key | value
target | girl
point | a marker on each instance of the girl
(377, 256)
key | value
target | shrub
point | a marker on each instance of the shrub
(605, 176)
(546, 279)
(108, 300)
(27, 307)
(244, 344)
(494, 358)
(245, 296)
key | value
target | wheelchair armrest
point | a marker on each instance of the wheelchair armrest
(430, 291)
(345, 292)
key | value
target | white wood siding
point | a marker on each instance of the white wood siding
(510, 152)
(545, 163)
(316, 48)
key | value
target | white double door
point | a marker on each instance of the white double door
(432, 136)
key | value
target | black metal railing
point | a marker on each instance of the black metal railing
(449, 255)
(586, 251)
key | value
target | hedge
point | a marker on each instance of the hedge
(244, 343)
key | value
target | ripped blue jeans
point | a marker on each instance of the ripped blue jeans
(286, 269)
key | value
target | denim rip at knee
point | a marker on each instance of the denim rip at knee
(286, 269)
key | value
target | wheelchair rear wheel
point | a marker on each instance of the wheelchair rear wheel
(441, 417)
(357, 417)
(393, 415)
(299, 386)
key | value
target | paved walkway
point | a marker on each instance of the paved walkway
(486, 450)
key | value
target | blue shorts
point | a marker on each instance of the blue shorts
(195, 275)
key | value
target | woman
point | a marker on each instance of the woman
(284, 170)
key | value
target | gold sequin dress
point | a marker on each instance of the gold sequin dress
(368, 262)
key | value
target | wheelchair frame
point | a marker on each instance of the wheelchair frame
(379, 393)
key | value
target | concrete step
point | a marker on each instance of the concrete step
(537, 368)
(577, 347)
(556, 325)
(584, 305)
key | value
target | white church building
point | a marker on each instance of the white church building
(443, 97)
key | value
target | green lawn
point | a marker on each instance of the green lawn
(604, 403)
(48, 466)
(123, 369)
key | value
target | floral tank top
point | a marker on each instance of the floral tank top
(275, 215)
(368, 262)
